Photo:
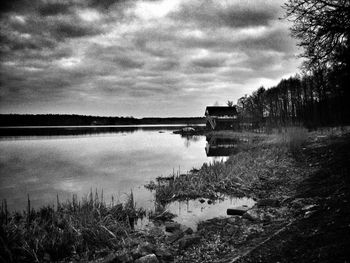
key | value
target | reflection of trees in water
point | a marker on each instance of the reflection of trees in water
(75, 130)
(189, 139)
(220, 146)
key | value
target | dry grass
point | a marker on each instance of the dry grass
(243, 174)
(294, 138)
(76, 227)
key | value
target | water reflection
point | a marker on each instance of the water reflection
(117, 162)
(190, 139)
(189, 213)
(220, 146)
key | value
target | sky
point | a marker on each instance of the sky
(139, 58)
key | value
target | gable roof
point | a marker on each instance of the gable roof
(221, 111)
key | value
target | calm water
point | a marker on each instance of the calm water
(44, 162)
(66, 161)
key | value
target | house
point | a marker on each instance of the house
(221, 117)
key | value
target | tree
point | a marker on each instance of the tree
(323, 28)
(230, 103)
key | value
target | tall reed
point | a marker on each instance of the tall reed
(76, 227)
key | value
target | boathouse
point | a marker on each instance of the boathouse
(221, 117)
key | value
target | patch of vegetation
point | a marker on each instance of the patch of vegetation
(261, 159)
(294, 138)
(76, 228)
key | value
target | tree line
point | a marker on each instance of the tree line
(84, 120)
(319, 96)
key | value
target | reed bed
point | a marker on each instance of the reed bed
(76, 228)
(243, 174)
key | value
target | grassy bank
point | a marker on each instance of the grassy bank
(259, 158)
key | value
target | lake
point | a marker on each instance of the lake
(46, 162)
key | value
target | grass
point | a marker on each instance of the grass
(294, 138)
(259, 158)
(77, 228)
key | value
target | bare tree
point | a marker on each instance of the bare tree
(323, 28)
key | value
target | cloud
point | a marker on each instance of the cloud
(104, 4)
(10, 5)
(119, 57)
(69, 29)
(238, 14)
(54, 8)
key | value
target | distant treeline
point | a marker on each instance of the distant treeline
(321, 95)
(79, 120)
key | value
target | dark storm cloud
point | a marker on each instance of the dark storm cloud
(213, 14)
(10, 5)
(127, 55)
(208, 62)
(15, 42)
(54, 8)
(104, 4)
(66, 29)
(165, 65)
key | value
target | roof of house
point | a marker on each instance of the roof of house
(221, 111)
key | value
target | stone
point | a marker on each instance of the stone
(144, 249)
(268, 202)
(231, 220)
(164, 254)
(175, 236)
(151, 258)
(188, 241)
(189, 231)
(252, 215)
(240, 210)
(172, 227)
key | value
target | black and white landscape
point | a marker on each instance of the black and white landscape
(174, 131)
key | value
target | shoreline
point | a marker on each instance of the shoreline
(270, 169)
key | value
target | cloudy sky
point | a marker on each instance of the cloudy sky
(139, 58)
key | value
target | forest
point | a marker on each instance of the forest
(319, 95)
